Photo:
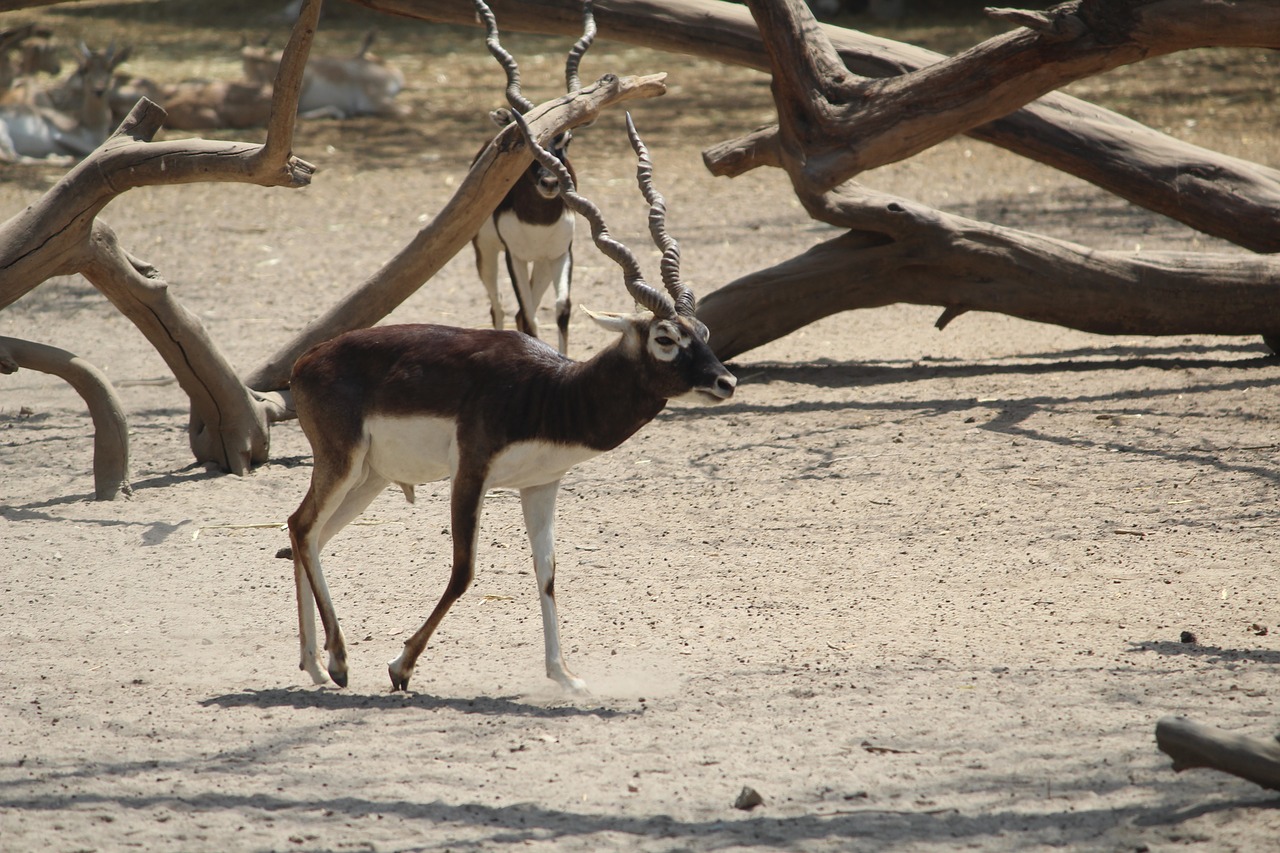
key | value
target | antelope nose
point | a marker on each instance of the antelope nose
(725, 385)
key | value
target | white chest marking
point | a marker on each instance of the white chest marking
(533, 463)
(420, 449)
(536, 242)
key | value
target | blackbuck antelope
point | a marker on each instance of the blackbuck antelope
(487, 409)
(77, 119)
(532, 226)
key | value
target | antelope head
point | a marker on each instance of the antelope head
(545, 180)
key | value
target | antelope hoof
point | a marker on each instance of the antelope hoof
(338, 668)
(400, 674)
(311, 666)
(570, 682)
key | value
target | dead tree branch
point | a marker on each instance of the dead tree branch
(110, 431)
(1193, 745)
(835, 124)
(901, 251)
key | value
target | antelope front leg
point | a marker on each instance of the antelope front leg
(526, 299)
(557, 273)
(539, 505)
(487, 246)
(466, 501)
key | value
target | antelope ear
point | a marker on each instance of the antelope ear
(501, 117)
(608, 320)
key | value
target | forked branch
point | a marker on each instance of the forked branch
(834, 125)
(60, 234)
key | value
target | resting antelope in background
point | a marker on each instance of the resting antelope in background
(488, 409)
(25, 52)
(364, 84)
(77, 117)
(532, 225)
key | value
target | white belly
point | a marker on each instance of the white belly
(421, 449)
(412, 449)
(536, 242)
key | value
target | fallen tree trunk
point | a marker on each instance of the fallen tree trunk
(900, 251)
(1192, 745)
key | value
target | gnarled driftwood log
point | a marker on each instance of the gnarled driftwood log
(1193, 745)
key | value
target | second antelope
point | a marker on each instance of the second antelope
(487, 409)
(363, 84)
(78, 119)
(532, 226)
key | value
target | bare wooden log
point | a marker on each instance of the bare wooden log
(1193, 745)
(901, 251)
(492, 174)
(110, 431)
(11, 5)
(1058, 130)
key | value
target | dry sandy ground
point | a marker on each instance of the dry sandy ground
(920, 590)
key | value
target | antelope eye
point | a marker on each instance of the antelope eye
(664, 341)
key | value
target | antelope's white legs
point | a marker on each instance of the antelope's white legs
(557, 273)
(562, 277)
(487, 246)
(310, 661)
(526, 300)
(331, 502)
(539, 505)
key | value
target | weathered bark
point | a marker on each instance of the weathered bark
(110, 431)
(900, 251)
(1193, 745)
(1187, 183)
(11, 5)
(452, 228)
(229, 426)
